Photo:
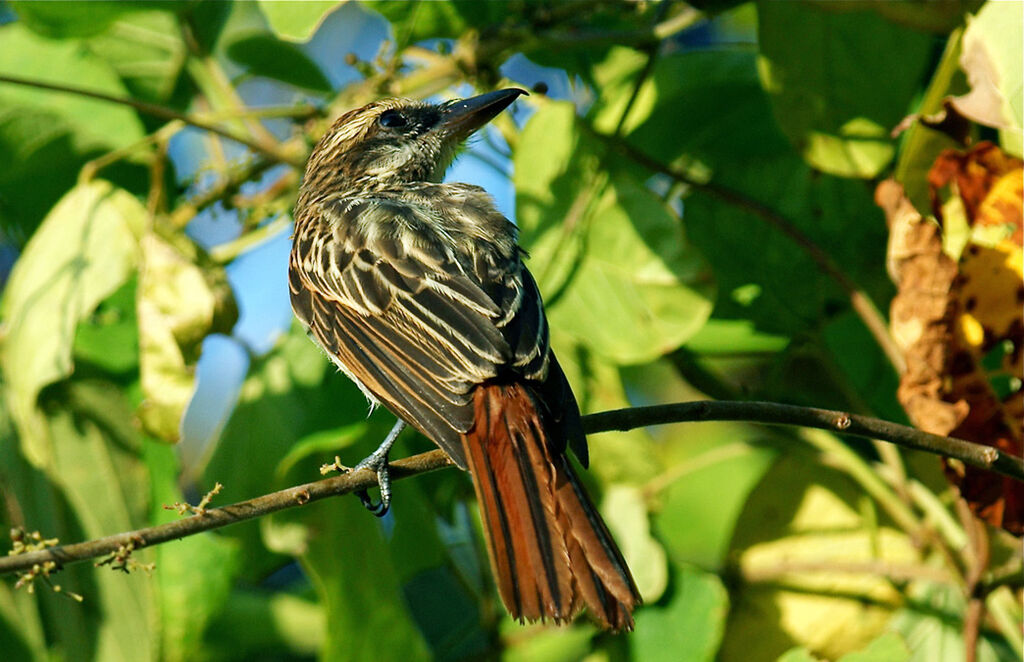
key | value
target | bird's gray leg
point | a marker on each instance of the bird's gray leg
(378, 462)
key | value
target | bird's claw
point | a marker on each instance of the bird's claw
(378, 463)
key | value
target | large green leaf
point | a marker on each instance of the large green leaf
(446, 19)
(800, 524)
(932, 626)
(84, 250)
(46, 136)
(689, 626)
(290, 394)
(349, 565)
(610, 258)
(833, 84)
(97, 468)
(296, 21)
(264, 55)
(94, 122)
(66, 18)
(145, 48)
(193, 575)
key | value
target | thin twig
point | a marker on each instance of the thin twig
(161, 112)
(621, 419)
(976, 455)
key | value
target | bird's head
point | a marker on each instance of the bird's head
(395, 141)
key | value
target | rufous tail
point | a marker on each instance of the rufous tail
(550, 551)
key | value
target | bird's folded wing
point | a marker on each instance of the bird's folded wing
(415, 323)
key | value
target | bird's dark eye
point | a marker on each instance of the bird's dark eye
(392, 119)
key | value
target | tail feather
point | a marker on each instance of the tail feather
(550, 551)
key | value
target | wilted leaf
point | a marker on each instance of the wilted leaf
(948, 317)
(991, 59)
(179, 303)
(84, 250)
(263, 55)
(822, 71)
(296, 21)
(109, 337)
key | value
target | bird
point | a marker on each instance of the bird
(417, 290)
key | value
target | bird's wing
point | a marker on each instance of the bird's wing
(418, 324)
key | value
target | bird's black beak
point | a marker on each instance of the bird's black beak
(463, 117)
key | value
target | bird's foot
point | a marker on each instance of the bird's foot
(377, 462)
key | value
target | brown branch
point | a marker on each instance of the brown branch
(984, 457)
(161, 112)
(859, 300)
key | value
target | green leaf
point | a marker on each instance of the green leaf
(887, 648)
(146, 50)
(256, 624)
(626, 515)
(46, 136)
(689, 627)
(800, 654)
(291, 393)
(194, 574)
(991, 59)
(640, 291)
(701, 110)
(416, 21)
(548, 644)
(627, 456)
(921, 144)
(264, 55)
(84, 250)
(97, 468)
(804, 513)
(609, 257)
(109, 338)
(931, 624)
(350, 567)
(296, 21)
(433, 597)
(822, 70)
(95, 123)
(61, 19)
(705, 488)
(178, 305)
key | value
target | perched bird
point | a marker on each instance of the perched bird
(417, 291)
